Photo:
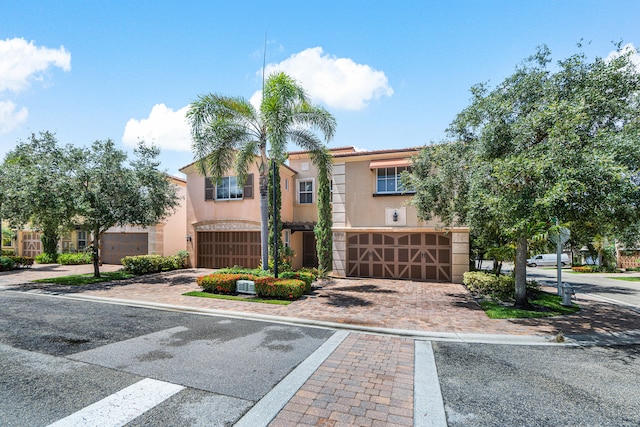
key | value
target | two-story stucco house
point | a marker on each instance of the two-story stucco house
(165, 238)
(376, 233)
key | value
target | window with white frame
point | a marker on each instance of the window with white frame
(388, 180)
(227, 188)
(82, 240)
(287, 238)
(305, 191)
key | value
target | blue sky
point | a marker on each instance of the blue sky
(393, 73)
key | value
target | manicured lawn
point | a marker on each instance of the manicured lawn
(236, 298)
(87, 279)
(545, 305)
(626, 279)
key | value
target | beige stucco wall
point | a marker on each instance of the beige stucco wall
(240, 215)
(357, 208)
(174, 227)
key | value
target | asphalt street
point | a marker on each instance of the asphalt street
(65, 359)
(602, 286)
(58, 356)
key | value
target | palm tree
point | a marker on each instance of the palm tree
(228, 132)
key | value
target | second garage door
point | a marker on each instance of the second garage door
(116, 246)
(219, 249)
(415, 256)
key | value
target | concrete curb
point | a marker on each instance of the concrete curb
(537, 340)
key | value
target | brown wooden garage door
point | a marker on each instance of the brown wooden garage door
(416, 256)
(116, 246)
(219, 249)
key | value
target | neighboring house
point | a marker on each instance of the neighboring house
(165, 238)
(375, 232)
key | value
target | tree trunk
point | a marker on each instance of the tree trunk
(264, 219)
(96, 255)
(521, 273)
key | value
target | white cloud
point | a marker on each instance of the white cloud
(21, 62)
(10, 118)
(164, 127)
(628, 48)
(337, 82)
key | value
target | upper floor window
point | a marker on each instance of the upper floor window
(82, 240)
(305, 191)
(227, 188)
(388, 179)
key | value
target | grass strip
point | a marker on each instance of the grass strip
(626, 279)
(236, 298)
(87, 279)
(545, 305)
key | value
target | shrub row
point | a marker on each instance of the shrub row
(222, 283)
(44, 258)
(270, 287)
(8, 252)
(145, 264)
(75, 259)
(501, 287)
(586, 269)
(306, 276)
(12, 262)
(266, 286)
(6, 263)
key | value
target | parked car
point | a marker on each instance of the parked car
(542, 260)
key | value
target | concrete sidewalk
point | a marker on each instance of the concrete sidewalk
(370, 377)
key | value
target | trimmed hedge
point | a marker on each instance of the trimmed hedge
(222, 283)
(74, 259)
(305, 276)
(22, 261)
(266, 286)
(279, 288)
(586, 269)
(146, 264)
(6, 264)
(501, 287)
(8, 252)
(44, 258)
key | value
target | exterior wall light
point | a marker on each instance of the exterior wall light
(188, 237)
(395, 216)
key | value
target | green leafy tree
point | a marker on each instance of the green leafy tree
(110, 192)
(542, 144)
(322, 230)
(228, 133)
(37, 189)
(274, 188)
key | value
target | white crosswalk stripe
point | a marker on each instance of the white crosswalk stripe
(123, 406)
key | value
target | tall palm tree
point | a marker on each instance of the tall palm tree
(228, 132)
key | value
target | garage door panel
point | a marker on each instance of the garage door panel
(115, 246)
(219, 249)
(416, 256)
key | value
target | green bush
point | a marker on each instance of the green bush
(6, 264)
(146, 264)
(22, 261)
(306, 277)
(8, 252)
(242, 270)
(222, 283)
(45, 258)
(501, 287)
(74, 259)
(270, 287)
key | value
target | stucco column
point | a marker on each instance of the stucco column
(339, 220)
(459, 255)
